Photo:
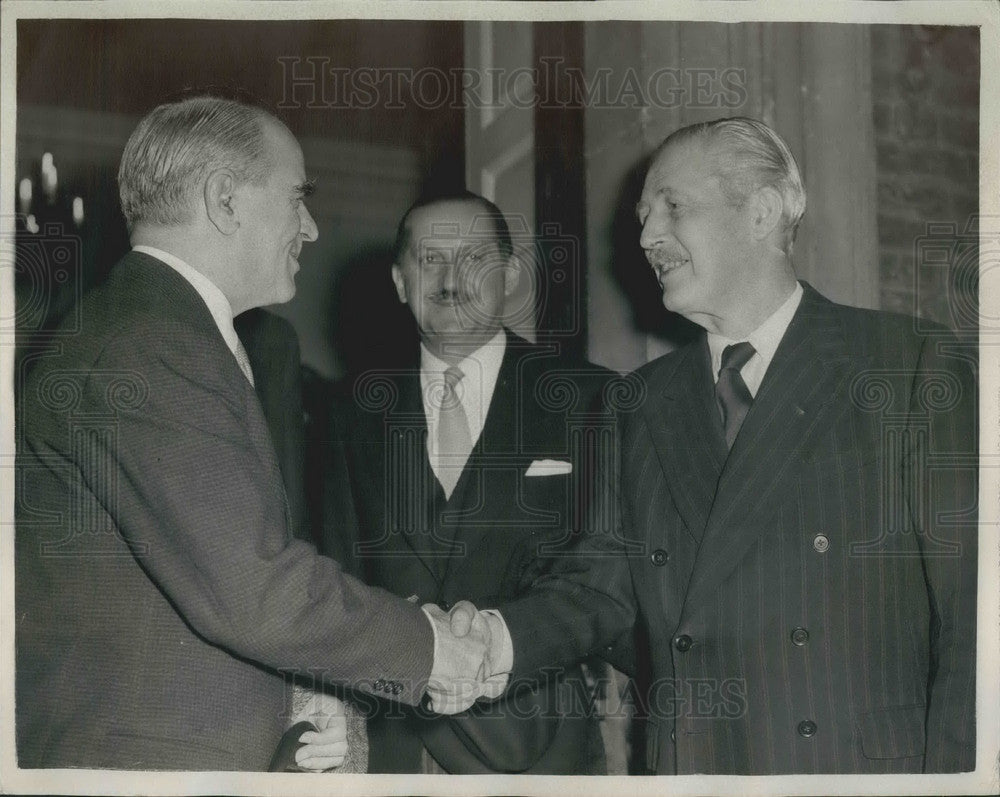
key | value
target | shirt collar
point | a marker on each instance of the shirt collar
(481, 370)
(487, 357)
(765, 338)
(216, 301)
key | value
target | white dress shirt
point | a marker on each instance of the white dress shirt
(475, 390)
(764, 339)
(216, 301)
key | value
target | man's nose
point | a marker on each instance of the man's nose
(307, 226)
(449, 277)
(655, 230)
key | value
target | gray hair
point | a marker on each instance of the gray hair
(177, 144)
(751, 156)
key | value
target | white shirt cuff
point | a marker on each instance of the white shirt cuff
(505, 660)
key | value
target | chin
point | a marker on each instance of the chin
(676, 300)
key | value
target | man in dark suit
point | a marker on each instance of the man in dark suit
(160, 594)
(798, 499)
(444, 490)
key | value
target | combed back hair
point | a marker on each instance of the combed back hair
(174, 148)
(750, 156)
(489, 211)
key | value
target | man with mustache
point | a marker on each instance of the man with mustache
(160, 594)
(451, 480)
(797, 502)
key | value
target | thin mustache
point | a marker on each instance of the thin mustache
(438, 296)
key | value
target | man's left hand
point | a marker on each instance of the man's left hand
(325, 748)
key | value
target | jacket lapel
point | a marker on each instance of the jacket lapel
(687, 434)
(177, 298)
(503, 422)
(788, 415)
(410, 492)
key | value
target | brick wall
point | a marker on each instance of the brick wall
(925, 86)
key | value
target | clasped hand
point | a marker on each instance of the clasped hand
(467, 651)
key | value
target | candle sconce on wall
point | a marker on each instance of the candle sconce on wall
(41, 200)
(48, 254)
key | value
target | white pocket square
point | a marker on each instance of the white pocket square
(549, 467)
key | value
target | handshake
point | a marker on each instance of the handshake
(472, 657)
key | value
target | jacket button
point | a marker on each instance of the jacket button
(799, 636)
(807, 728)
(659, 557)
(821, 543)
(397, 688)
(683, 643)
(445, 606)
(379, 685)
(673, 735)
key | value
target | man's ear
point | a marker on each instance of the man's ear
(218, 197)
(511, 275)
(766, 209)
(397, 278)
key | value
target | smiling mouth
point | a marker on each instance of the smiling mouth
(664, 268)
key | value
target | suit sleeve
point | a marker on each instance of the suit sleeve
(945, 392)
(584, 602)
(197, 495)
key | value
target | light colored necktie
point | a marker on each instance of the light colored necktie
(243, 361)
(453, 436)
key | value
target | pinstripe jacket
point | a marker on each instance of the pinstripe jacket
(809, 599)
(159, 592)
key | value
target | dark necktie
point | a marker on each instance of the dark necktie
(731, 391)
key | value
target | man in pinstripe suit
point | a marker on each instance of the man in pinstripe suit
(797, 502)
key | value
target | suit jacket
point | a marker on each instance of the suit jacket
(810, 599)
(159, 593)
(387, 512)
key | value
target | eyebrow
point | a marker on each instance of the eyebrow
(306, 189)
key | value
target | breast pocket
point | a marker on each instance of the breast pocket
(544, 500)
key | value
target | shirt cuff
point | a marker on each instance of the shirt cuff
(505, 658)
